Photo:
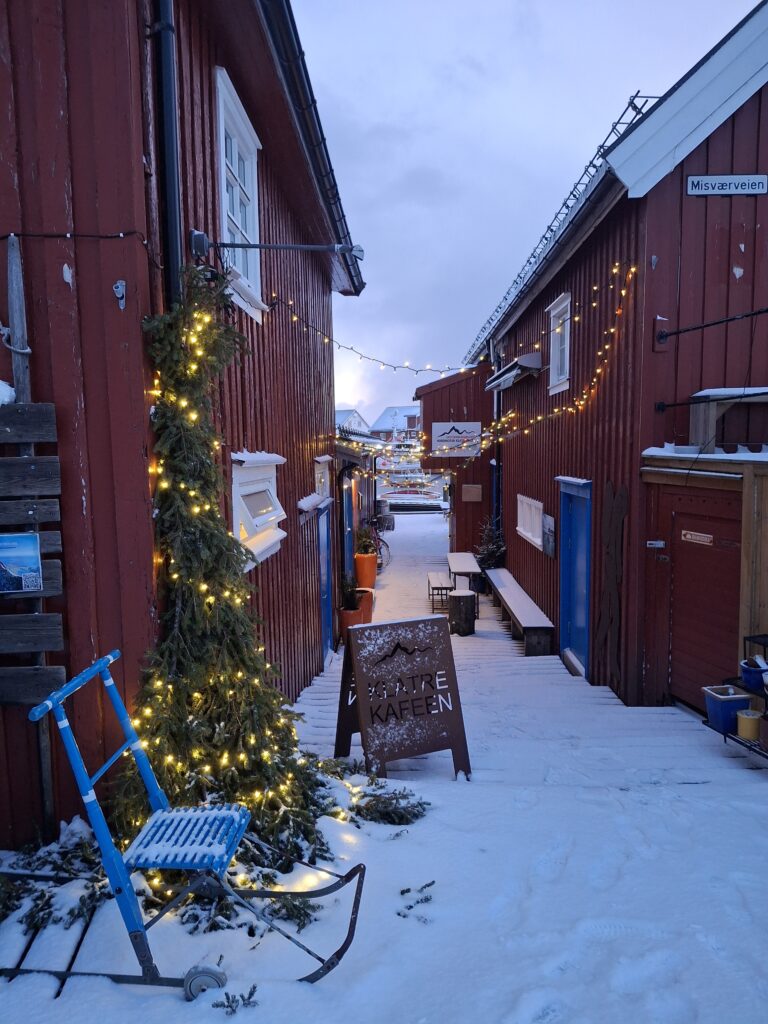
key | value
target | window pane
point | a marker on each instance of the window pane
(246, 254)
(259, 503)
(231, 198)
(243, 217)
(228, 147)
(241, 169)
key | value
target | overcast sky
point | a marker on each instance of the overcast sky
(456, 129)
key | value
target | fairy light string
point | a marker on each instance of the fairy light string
(514, 423)
(215, 726)
(305, 325)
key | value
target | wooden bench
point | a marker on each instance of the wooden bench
(439, 586)
(529, 623)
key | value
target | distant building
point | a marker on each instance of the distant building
(350, 419)
(398, 423)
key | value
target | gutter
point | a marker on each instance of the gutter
(284, 37)
(173, 253)
(549, 263)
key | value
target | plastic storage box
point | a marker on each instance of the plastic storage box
(722, 704)
(752, 678)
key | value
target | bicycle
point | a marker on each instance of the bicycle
(383, 553)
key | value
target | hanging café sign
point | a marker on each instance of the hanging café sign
(399, 690)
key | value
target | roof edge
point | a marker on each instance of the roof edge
(277, 18)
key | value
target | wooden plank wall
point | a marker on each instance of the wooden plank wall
(79, 156)
(599, 443)
(461, 397)
(71, 125)
(280, 397)
(711, 262)
(698, 259)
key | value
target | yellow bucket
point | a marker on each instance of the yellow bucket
(748, 724)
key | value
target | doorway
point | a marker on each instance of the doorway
(326, 580)
(575, 564)
(703, 536)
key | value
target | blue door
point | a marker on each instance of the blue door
(575, 534)
(326, 589)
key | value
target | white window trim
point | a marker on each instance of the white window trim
(246, 292)
(559, 323)
(252, 472)
(323, 476)
(530, 524)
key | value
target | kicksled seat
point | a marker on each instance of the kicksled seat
(198, 841)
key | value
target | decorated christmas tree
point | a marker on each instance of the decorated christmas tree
(213, 722)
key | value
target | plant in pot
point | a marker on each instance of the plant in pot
(365, 558)
(491, 550)
(350, 613)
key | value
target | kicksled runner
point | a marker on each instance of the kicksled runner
(198, 841)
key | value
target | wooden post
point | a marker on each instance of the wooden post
(461, 612)
(20, 353)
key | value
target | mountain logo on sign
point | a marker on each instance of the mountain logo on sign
(399, 649)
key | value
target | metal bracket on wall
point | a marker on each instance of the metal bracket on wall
(119, 289)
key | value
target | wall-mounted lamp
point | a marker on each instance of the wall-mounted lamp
(200, 245)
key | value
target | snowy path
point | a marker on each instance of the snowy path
(605, 864)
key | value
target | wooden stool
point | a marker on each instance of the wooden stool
(461, 612)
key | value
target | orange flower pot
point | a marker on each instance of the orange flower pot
(366, 603)
(347, 618)
(365, 570)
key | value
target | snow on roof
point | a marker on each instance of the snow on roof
(703, 99)
(343, 417)
(726, 393)
(395, 417)
(246, 458)
(692, 451)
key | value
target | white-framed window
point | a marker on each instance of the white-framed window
(560, 344)
(529, 520)
(323, 476)
(238, 195)
(256, 508)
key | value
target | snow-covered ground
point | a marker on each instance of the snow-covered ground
(605, 864)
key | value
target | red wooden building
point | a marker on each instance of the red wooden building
(605, 351)
(454, 412)
(124, 125)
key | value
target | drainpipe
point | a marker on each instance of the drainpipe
(497, 461)
(173, 253)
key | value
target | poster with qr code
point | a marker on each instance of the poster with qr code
(20, 567)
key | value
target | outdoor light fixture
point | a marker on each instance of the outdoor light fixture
(200, 245)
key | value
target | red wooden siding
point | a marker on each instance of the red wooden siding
(279, 398)
(59, 95)
(685, 249)
(598, 443)
(78, 123)
(698, 243)
(461, 397)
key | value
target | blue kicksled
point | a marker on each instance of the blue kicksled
(200, 841)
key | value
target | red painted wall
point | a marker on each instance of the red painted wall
(79, 154)
(462, 398)
(685, 250)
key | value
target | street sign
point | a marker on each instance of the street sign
(727, 184)
(401, 680)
